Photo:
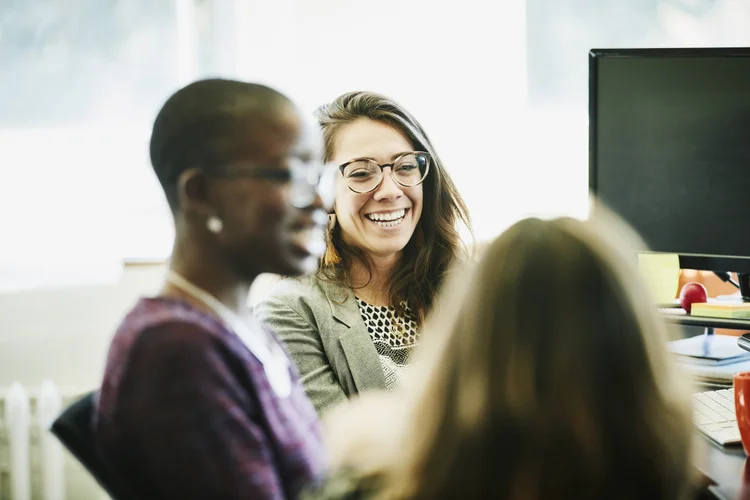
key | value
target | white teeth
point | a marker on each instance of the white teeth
(392, 216)
(389, 223)
(392, 223)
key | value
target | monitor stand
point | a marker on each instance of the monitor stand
(744, 281)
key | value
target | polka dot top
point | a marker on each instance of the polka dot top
(394, 337)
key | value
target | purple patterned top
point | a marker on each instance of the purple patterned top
(185, 411)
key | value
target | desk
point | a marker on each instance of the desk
(725, 467)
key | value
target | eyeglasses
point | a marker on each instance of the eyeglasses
(308, 179)
(408, 170)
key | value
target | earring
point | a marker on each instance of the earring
(214, 224)
(331, 256)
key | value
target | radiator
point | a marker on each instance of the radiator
(32, 465)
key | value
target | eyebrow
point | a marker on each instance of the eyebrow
(393, 157)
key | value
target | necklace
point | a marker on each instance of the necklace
(271, 355)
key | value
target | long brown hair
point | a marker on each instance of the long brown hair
(424, 263)
(545, 375)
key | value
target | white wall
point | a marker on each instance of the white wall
(63, 334)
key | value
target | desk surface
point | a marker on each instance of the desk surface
(726, 467)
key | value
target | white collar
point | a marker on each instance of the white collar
(273, 358)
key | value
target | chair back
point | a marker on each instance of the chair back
(74, 428)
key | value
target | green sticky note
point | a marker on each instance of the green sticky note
(662, 274)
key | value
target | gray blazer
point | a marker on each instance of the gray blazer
(322, 328)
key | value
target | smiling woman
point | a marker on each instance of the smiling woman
(392, 237)
(377, 213)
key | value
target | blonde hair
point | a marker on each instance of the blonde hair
(544, 375)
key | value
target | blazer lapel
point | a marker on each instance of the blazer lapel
(361, 356)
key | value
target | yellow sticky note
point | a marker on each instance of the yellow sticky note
(662, 274)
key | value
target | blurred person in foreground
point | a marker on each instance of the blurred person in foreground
(198, 399)
(544, 374)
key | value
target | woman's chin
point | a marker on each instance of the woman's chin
(386, 248)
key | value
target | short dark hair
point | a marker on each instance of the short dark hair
(189, 128)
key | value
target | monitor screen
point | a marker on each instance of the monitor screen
(670, 149)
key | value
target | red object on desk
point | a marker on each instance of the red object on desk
(742, 407)
(692, 293)
(744, 493)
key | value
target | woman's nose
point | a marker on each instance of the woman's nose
(388, 188)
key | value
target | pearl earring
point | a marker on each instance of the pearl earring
(214, 224)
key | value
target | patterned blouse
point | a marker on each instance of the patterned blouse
(394, 336)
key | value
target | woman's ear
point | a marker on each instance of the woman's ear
(192, 192)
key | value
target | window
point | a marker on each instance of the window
(86, 80)
(501, 88)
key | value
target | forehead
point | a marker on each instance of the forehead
(268, 136)
(370, 139)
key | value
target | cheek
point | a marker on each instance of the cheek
(279, 209)
(416, 197)
(263, 213)
(349, 204)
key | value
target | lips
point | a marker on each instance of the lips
(387, 219)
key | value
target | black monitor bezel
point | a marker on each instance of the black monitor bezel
(701, 262)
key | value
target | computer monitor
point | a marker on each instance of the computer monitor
(669, 150)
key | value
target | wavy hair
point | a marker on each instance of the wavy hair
(424, 264)
(545, 375)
